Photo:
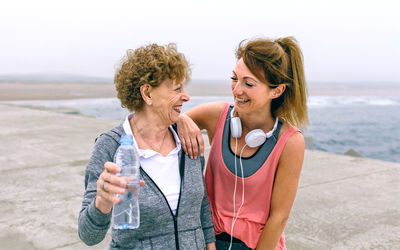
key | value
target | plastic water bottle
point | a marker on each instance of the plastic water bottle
(126, 213)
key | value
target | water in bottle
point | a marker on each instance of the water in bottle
(126, 213)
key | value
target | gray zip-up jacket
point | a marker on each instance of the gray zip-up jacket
(190, 228)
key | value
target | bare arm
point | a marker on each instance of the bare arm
(190, 124)
(284, 191)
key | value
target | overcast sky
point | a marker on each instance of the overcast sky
(342, 40)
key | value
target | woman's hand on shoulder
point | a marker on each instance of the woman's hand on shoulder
(190, 135)
(108, 185)
(190, 124)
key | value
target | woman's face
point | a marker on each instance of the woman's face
(250, 94)
(168, 99)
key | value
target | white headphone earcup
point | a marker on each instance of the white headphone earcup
(236, 127)
(255, 138)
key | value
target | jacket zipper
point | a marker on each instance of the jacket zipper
(175, 217)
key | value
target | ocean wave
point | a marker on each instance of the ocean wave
(368, 125)
(327, 101)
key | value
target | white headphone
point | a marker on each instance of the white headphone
(255, 137)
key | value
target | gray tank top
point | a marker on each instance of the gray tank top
(250, 164)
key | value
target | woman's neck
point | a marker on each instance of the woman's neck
(150, 133)
(263, 121)
(148, 125)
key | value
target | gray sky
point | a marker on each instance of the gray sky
(342, 40)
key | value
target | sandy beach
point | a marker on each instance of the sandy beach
(343, 202)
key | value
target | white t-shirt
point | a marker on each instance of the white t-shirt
(164, 171)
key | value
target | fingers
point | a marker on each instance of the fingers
(188, 131)
(104, 200)
(110, 184)
(201, 144)
(196, 146)
(109, 188)
(107, 196)
(193, 147)
(184, 146)
(190, 148)
(111, 167)
(111, 179)
(114, 180)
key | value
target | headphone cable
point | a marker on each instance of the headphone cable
(234, 196)
(235, 217)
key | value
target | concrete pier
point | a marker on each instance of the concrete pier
(343, 202)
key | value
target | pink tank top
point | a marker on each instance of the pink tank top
(220, 183)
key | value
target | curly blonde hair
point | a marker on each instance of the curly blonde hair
(151, 64)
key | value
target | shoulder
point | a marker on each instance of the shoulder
(107, 143)
(192, 163)
(113, 134)
(296, 135)
(295, 142)
(294, 148)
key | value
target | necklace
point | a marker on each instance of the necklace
(143, 138)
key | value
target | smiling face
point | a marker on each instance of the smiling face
(251, 95)
(168, 99)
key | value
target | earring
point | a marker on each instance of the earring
(150, 103)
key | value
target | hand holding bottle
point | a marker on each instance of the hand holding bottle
(109, 184)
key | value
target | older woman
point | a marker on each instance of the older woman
(174, 210)
(257, 150)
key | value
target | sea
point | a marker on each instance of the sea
(367, 124)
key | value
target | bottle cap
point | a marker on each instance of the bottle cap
(126, 140)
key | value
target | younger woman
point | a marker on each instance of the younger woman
(257, 151)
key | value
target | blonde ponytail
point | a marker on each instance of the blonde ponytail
(277, 62)
(294, 106)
